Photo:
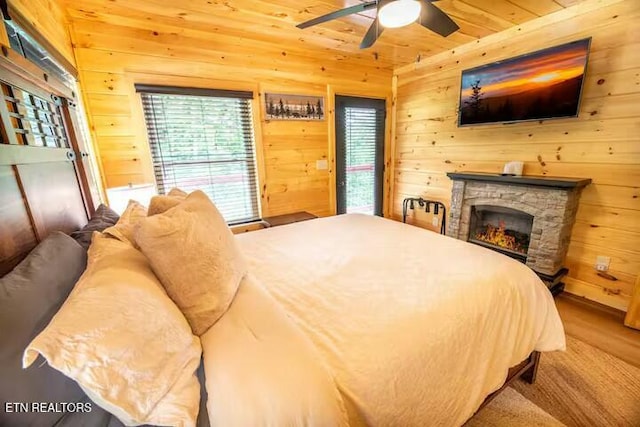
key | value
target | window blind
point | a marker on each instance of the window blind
(362, 156)
(204, 142)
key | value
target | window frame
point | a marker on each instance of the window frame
(167, 88)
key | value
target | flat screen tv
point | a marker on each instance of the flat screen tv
(541, 85)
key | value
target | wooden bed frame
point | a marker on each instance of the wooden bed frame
(527, 370)
(43, 190)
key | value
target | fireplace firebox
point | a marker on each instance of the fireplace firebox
(502, 229)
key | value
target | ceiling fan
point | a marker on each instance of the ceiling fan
(393, 14)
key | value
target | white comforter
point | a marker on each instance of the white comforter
(415, 328)
(261, 370)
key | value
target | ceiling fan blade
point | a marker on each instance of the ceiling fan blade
(372, 35)
(436, 20)
(338, 14)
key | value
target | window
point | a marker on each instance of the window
(23, 43)
(203, 139)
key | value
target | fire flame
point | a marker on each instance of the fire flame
(497, 236)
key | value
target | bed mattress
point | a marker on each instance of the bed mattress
(416, 328)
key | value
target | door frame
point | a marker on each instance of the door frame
(380, 104)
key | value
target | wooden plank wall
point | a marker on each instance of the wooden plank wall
(602, 144)
(114, 51)
(48, 17)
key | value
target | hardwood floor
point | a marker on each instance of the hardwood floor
(600, 326)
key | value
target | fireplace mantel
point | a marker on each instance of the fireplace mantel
(540, 181)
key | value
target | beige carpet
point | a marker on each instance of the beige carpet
(511, 409)
(585, 386)
(582, 387)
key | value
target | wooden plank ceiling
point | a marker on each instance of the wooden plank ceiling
(272, 24)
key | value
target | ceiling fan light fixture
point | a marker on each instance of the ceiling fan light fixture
(398, 13)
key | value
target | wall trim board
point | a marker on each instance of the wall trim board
(258, 105)
(393, 138)
(331, 148)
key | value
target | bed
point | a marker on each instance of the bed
(411, 325)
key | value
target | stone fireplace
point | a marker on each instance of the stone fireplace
(527, 218)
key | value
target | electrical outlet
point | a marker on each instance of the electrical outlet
(435, 221)
(602, 263)
(322, 164)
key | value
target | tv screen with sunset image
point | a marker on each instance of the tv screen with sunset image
(540, 85)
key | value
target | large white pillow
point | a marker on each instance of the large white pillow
(122, 339)
(194, 254)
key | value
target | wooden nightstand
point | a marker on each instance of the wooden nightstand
(274, 221)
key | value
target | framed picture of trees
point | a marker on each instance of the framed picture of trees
(293, 107)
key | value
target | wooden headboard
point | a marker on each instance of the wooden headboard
(44, 185)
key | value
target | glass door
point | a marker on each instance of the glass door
(360, 127)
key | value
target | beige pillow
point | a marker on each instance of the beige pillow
(195, 256)
(122, 339)
(160, 204)
(124, 228)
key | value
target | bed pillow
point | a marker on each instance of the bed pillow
(123, 341)
(195, 256)
(103, 218)
(163, 203)
(124, 228)
(29, 297)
